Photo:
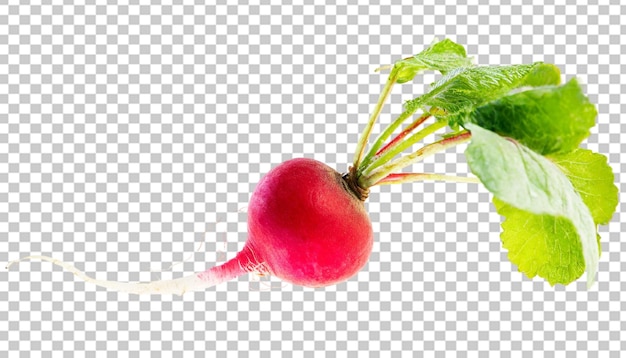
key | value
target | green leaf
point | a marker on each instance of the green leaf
(441, 56)
(593, 179)
(461, 90)
(543, 74)
(543, 209)
(548, 119)
(543, 245)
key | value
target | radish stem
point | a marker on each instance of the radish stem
(383, 137)
(417, 156)
(399, 147)
(384, 67)
(399, 178)
(360, 147)
(404, 133)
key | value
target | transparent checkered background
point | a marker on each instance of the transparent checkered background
(131, 137)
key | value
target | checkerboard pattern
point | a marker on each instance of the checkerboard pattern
(131, 137)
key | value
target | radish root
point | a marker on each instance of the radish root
(178, 286)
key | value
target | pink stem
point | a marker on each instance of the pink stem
(395, 177)
(399, 178)
(404, 133)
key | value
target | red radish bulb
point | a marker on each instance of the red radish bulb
(307, 225)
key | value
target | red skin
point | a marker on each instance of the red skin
(306, 227)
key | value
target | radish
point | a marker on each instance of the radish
(331, 241)
(307, 223)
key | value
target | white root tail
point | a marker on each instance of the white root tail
(178, 286)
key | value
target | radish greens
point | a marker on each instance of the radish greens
(524, 130)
